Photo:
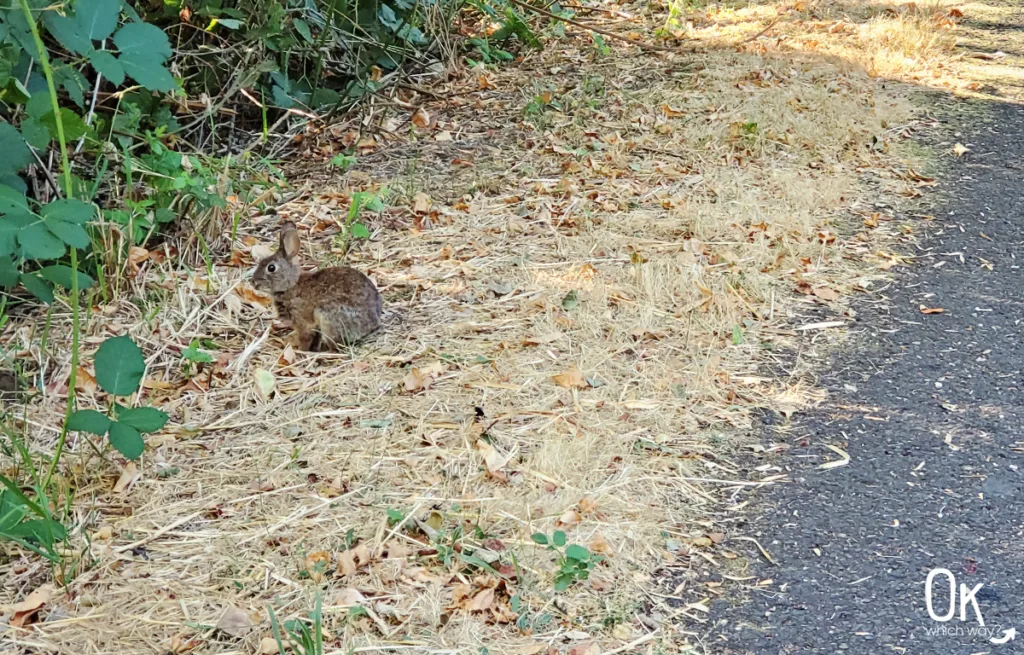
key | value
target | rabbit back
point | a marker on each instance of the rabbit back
(341, 304)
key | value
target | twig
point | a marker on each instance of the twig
(590, 28)
(159, 533)
(633, 644)
(92, 105)
(759, 34)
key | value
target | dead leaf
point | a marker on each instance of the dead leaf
(85, 382)
(482, 601)
(421, 118)
(931, 310)
(717, 537)
(569, 517)
(265, 383)
(316, 565)
(261, 251)
(960, 149)
(349, 597)
(129, 476)
(421, 378)
(268, 646)
(136, 256)
(541, 339)
(353, 559)
(253, 297)
(493, 460)
(444, 135)
(26, 609)
(826, 293)
(235, 622)
(572, 378)
(421, 203)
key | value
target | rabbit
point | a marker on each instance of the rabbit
(331, 306)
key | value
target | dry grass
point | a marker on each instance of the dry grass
(699, 209)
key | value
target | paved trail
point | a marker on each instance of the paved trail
(935, 431)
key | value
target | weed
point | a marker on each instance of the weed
(575, 562)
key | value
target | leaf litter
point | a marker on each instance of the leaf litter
(564, 288)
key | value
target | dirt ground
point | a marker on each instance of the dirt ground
(597, 266)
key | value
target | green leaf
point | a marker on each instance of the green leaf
(360, 231)
(143, 419)
(16, 154)
(13, 202)
(230, 23)
(737, 335)
(570, 300)
(39, 105)
(9, 273)
(70, 233)
(108, 66)
(89, 420)
(302, 27)
(38, 287)
(144, 48)
(193, 354)
(67, 33)
(61, 276)
(35, 133)
(562, 582)
(73, 82)
(69, 210)
(74, 127)
(39, 243)
(343, 161)
(119, 366)
(97, 18)
(539, 538)
(558, 538)
(126, 440)
(40, 531)
(577, 552)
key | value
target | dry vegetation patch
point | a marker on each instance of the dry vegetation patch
(596, 268)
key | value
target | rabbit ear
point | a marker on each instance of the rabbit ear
(290, 241)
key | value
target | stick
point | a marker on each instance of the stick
(159, 533)
(759, 34)
(598, 30)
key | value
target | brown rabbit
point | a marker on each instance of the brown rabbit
(331, 306)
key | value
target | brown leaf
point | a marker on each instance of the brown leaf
(931, 310)
(268, 646)
(316, 565)
(826, 293)
(571, 378)
(716, 537)
(420, 378)
(421, 118)
(353, 559)
(235, 622)
(421, 203)
(960, 149)
(26, 609)
(482, 601)
(569, 517)
(85, 382)
(129, 476)
(253, 297)
(541, 339)
(493, 460)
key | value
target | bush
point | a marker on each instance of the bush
(106, 83)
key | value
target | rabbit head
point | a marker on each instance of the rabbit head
(280, 272)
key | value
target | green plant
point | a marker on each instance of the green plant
(119, 369)
(343, 161)
(28, 522)
(575, 562)
(296, 635)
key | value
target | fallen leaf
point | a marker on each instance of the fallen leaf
(482, 601)
(129, 476)
(349, 597)
(539, 340)
(26, 609)
(287, 356)
(421, 118)
(421, 378)
(931, 310)
(421, 203)
(316, 565)
(569, 517)
(353, 559)
(501, 288)
(253, 297)
(826, 293)
(493, 460)
(570, 379)
(265, 383)
(717, 537)
(268, 646)
(960, 150)
(443, 136)
(85, 382)
(235, 622)
(261, 251)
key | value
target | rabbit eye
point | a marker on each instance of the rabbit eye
(271, 268)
